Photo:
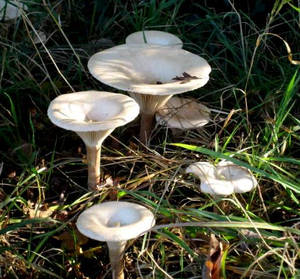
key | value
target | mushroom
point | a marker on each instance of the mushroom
(39, 37)
(182, 114)
(224, 179)
(10, 10)
(93, 115)
(151, 75)
(115, 222)
(156, 38)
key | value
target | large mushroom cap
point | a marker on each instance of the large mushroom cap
(156, 38)
(224, 179)
(149, 70)
(92, 111)
(11, 10)
(115, 221)
(183, 113)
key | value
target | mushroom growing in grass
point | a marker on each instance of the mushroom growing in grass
(93, 115)
(115, 222)
(10, 10)
(151, 75)
(180, 114)
(153, 37)
(224, 179)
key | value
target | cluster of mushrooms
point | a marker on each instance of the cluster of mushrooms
(152, 67)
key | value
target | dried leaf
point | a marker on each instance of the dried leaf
(38, 210)
(212, 265)
(68, 238)
(185, 78)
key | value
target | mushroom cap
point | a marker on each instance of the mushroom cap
(210, 182)
(183, 113)
(149, 70)
(40, 37)
(89, 111)
(115, 221)
(224, 179)
(11, 10)
(153, 37)
(241, 178)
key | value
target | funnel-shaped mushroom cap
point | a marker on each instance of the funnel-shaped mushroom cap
(88, 111)
(224, 179)
(149, 70)
(115, 221)
(156, 38)
(183, 113)
(10, 9)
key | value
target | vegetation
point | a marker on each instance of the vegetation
(253, 93)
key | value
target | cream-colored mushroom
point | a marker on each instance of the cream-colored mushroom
(150, 74)
(39, 38)
(224, 179)
(93, 115)
(155, 38)
(115, 223)
(10, 10)
(181, 114)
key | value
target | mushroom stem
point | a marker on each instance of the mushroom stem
(93, 142)
(149, 104)
(93, 154)
(146, 127)
(116, 252)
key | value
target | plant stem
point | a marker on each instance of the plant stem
(146, 127)
(116, 253)
(93, 160)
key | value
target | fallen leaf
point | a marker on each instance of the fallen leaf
(185, 78)
(212, 265)
(72, 240)
(38, 210)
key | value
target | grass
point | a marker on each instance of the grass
(253, 93)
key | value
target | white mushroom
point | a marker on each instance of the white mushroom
(241, 178)
(10, 10)
(151, 75)
(115, 223)
(93, 115)
(183, 114)
(39, 37)
(224, 179)
(153, 37)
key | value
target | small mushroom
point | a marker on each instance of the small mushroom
(39, 37)
(150, 74)
(115, 222)
(153, 37)
(182, 114)
(224, 179)
(10, 10)
(93, 115)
